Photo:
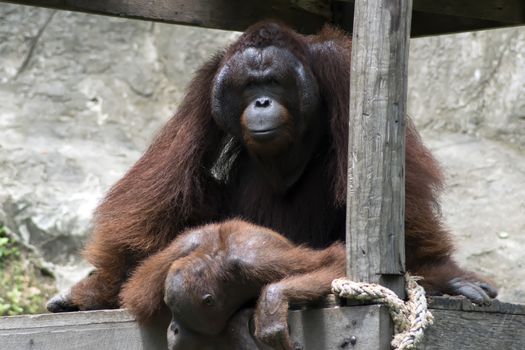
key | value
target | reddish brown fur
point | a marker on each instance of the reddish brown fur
(171, 187)
(159, 196)
(290, 273)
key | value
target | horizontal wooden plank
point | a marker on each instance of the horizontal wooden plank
(462, 326)
(427, 24)
(463, 304)
(307, 16)
(221, 14)
(458, 325)
(474, 330)
(64, 319)
(423, 23)
(87, 330)
(505, 11)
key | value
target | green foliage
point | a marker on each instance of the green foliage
(8, 248)
(24, 285)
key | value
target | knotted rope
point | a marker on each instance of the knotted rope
(410, 318)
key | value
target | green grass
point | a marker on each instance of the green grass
(24, 284)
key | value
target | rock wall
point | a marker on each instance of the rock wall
(471, 83)
(467, 95)
(81, 96)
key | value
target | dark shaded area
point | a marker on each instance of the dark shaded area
(429, 17)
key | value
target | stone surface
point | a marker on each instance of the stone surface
(81, 96)
(467, 93)
(484, 205)
(471, 83)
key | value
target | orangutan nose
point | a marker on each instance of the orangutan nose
(263, 102)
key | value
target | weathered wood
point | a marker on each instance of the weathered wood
(504, 11)
(495, 327)
(355, 328)
(480, 328)
(475, 330)
(462, 304)
(320, 7)
(378, 89)
(222, 14)
(430, 17)
(459, 324)
(425, 24)
(106, 329)
(376, 160)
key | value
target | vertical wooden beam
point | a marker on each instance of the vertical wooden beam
(376, 157)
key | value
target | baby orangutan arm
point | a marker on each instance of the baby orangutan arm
(271, 314)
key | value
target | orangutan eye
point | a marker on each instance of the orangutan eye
(208, 299)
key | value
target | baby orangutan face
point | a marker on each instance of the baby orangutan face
(237, 335)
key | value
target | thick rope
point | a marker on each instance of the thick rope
(410, 318)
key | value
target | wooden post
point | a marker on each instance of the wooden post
(378, 90)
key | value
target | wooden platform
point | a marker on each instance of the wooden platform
(458, 325)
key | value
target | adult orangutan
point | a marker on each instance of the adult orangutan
(261, 135)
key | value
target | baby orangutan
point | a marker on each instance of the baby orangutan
(209, 273)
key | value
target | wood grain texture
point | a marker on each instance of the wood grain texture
(459, 324)
(462, 304)
(475, 330)
(482, 328)
(221, 14)
(430, 17)
(505, 11)
(104, 329)
(353, 328)
(496, 327)
(378, 89)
